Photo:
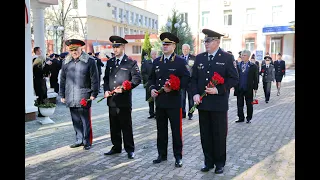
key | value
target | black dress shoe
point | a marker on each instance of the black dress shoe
(131, 155)
(240, 120)
(112, 152)
(183, 116)
(159, 160)
(178, 163)
(150, 117)
(190, 118)
(218, 170)
(87, 147)
(76, 145)
(206, 168)
(248, 121)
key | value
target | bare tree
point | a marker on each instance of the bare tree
(60, 17)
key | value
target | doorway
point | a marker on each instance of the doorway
(275, 47)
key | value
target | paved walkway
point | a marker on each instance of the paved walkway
(264, 149)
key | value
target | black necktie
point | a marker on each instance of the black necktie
(165, 60)
(210, 57)
(118, 60)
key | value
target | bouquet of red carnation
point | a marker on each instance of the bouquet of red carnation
(173, 83)
(84, 102)
(255, 100)
(215, 80)
(126, 86)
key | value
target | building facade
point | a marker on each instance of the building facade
(260, 26)
(94, 21)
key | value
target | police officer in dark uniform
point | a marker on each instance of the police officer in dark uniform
(213, 109)
(99, 65)
(267, 72)
(79, 79)
(168, 103)
(146, 68)
(190, 61)
(280, 71)
(118, 69)
(54, 72)
(253, 60)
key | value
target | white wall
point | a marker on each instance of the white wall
(288, 41)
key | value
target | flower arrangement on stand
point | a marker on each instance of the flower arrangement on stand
(215, 80)
(126, 86)
(173, 82)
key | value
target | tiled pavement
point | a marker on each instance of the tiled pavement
(264, 149)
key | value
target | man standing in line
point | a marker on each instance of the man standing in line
(119, 69)
(79, 80)
(190, 61)
(213, 108)
(168, 103)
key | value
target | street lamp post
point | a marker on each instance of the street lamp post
(55, 30)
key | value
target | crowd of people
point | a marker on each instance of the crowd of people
(204, 80)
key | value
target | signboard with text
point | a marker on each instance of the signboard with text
(259, 54)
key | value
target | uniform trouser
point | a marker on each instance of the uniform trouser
(151, 108)
(175, 117)
(241, 97)
(267, 90)
(151, 104)
(121, 122)
(81, 119)
(99, 81)
(183, 99)
(54, 84)
(213, 133)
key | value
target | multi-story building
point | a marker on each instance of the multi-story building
(260, 26)
(96, 20)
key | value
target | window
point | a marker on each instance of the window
(136, 49)
(276, 14)
(250, 44)
(251, 14)
(156, 24)
(114, 12)
(141, 20)
(149, 22)
(125, 31)
(145, 21)
(120, 14)
(131, 17)
(153, 25)
(75, 4)
(131, 31)
(126, 16)
(205, 18)
(75, 26)
(141, 32)
(227, 17)
(184, 17)
(121, 31)
(137, 19)
(226, 44)
(114, 30)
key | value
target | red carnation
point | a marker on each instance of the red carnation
(126, 86)
(215, 80)
(262, 70)
(173, 83)
(84, 102)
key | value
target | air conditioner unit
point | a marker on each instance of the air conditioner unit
(108, 4)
